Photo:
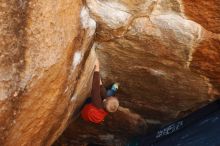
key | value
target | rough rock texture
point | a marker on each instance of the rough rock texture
(164, 53)
(166, 56)
(206, 60)
(45, 68)
(206, 13)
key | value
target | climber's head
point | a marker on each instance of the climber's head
(111, 104)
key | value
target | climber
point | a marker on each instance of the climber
(102, 102)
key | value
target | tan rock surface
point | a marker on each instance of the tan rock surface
(45, 70)
(164, 53)
(165, 57)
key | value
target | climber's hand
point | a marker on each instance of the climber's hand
(97, 65)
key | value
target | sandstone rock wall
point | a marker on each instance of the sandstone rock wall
(157, 53)
(45, 68)
(165, 55)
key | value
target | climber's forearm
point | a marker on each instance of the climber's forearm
(96, 98)
(103, 92)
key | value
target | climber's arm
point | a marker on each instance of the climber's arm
(96, 98)
(103, 92)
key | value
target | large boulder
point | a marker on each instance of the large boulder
(166, 56)
(45, 70)
(164, 53)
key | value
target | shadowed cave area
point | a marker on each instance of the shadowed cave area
(164, 53)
